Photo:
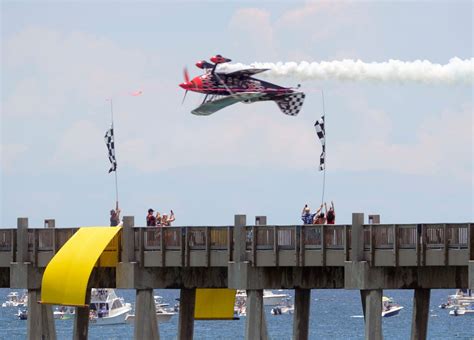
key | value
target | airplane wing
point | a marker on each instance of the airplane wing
(212, 106)
(246, 72)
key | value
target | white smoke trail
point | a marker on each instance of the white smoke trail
(457, 71)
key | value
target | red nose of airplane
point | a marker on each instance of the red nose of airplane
(186, 85)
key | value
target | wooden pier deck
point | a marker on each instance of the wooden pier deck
(366, 257)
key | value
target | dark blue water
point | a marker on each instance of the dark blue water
(335, 314)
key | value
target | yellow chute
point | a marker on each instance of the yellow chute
(66, 276)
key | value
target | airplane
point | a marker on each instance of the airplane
(224, 89)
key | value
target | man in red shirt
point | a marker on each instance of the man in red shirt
(331, 214)
(150, 219)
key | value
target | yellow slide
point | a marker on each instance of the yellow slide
(66, 277)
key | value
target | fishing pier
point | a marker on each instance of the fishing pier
(366, 257)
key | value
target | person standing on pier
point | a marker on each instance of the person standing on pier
(114, 217)
(166, 221)
(150, 218)
(306, 215)
(331, 214)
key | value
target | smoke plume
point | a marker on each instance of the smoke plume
(456, 71)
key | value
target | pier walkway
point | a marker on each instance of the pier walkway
(366, 257)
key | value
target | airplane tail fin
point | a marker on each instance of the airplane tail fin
(291, 104)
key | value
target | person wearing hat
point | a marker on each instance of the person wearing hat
(166, 221)
(306, 215)
(150, 218)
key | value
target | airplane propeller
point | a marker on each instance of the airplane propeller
(185, 93)
(186, 75)
(186, 79)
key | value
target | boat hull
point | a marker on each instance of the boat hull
(391, 312)
(119, 317)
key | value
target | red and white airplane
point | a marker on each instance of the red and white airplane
(224, 89)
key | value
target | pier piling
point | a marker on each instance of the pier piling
(81, 320)
(187, 301)
(301, 315)
(146, 324)
(421, 313)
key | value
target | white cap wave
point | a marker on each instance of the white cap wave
(456, 71)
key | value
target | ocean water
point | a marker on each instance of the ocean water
(335, 314)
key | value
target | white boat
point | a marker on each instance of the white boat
(106, 308)
(269, 297)
(389, 307)
(64, 312)
(272, 299)
(163, 312)
(285, 308)
(462, 310)
(15, 300)
(22, 313)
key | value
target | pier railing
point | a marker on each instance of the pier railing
(295, 245)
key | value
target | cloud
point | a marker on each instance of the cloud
(319, 20)
(80, 144)
(10, 153)
(253, 30)
(44, 67)
(443, 146)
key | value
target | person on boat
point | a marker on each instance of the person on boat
(150, 218)
(331, 214)
(114, 217)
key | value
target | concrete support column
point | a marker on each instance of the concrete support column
(40, 322)
(146, 325)
(301, 315)
(128, 240)
(187, 301)
(373, 314)
(357, 237)
(240, 238)
(81, 320)
(256, 324)
(421, 311)
(22, 240)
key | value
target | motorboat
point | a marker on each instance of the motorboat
(106, 308)
(272, 299)
(389, 307)
(64, 313)
(22, 313)
(163, 312)
(269, 297)
(285, 308)
(15, 300)
(462, 310)
(462, 298)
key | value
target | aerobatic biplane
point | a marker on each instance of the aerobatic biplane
(224, 89)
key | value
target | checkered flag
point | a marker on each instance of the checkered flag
(291, 104)
(321, 132)
(109, 141)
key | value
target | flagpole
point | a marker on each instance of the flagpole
(116, 181)
(325, 145)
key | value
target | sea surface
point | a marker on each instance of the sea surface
(335, 314)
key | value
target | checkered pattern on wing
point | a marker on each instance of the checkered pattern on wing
(291, 104)
(109, 142)
(321, 132)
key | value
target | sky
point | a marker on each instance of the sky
(399, 149)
